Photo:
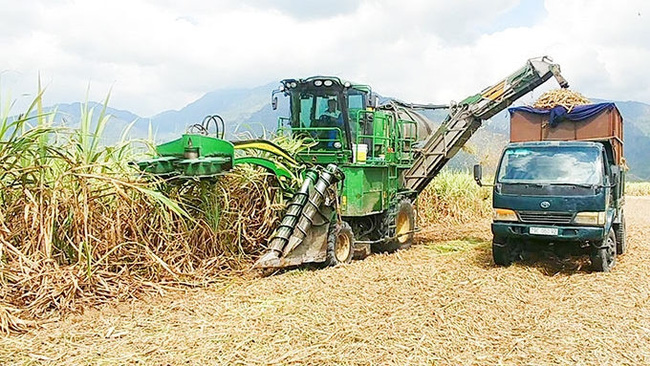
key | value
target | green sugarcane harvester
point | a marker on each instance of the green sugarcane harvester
(363, 171)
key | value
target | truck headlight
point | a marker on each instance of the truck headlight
(337, 145)
(504, 214)
(590, 218)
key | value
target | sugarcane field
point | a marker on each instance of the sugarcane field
(345, 183)
(441, 302)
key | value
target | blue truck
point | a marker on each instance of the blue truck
(560, 184)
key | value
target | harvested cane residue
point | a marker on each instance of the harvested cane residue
(561, 97)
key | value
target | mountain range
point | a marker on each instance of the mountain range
(248, 112)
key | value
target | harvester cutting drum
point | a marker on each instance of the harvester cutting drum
(362, 174)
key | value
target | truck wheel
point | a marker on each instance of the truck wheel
(340, 244)
(603, 259)
(621, 246)
(501, 252)
(404, 227)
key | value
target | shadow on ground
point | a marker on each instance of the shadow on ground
(546, 262)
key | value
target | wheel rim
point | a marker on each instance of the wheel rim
(403, 226)
(343, 247)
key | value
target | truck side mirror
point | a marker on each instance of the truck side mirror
(274, 102)
(478, 174)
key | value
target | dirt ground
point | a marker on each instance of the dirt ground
(441, 302)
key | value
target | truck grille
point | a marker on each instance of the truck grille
(546, 217)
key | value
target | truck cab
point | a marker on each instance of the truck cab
(561, 192)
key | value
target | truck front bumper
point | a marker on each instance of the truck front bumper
(521, 231)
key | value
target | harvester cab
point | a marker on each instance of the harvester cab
(324, 114)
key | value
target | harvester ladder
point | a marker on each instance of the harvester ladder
(466, 117)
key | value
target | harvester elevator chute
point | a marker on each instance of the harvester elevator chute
(467, 116)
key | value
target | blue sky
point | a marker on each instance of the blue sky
(157, 55)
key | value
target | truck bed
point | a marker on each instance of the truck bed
(592, 122)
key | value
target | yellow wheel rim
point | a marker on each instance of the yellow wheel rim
(403, 227)
(343, 248)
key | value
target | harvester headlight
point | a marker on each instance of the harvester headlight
(347, 84)
(590, 218)
(337, 145)
(327, 82)
(504, 214)
(318, 82)
(294, 84)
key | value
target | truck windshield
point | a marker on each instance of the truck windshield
(551, 165)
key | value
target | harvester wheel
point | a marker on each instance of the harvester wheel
(603, 259)
(340, 244)
(404, 228)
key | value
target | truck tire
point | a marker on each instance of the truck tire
(502, 252)
(621, 245)
(340, 244)
(603, 259)
(402, 227)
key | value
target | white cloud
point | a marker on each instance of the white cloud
(159, 55)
